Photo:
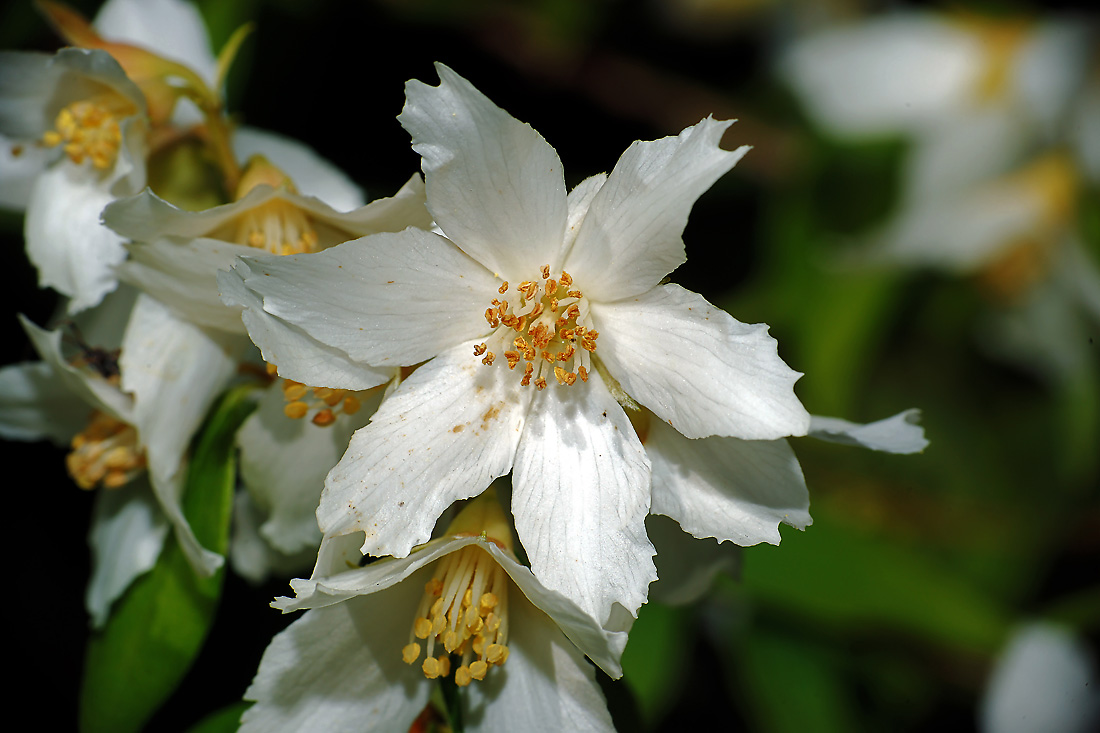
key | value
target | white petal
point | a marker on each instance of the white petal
(631, 235)
(74, 253)
(251, 556)
(171, 28)
(340, 669)
(580, 198)
(184, 277)
(284, 463)
(297, 355)
(495, 186)
(20, 165)
(1045, 680)
(126, 536)
(580, 494)
(312, 174)
(87, 385)
(36, 403)
(546, 684)
(686, 566)
(1048, 71)
(35, 86)
(445, 434)
(698, 368)
(901, 433)
(891, 74)
(603, 647)
(730, 489)
(386, 300)
(175, 370)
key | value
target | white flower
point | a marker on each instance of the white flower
(364, 656)
(81, 101)
(1001, 139)
(76, 401)
(536, 313)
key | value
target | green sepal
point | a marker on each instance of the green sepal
(158, 627)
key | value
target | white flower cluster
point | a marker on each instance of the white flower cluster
(483, 321)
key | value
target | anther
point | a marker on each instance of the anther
(503, 288)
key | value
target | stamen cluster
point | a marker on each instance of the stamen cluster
(325, 403)
(278, 227)
(87, 129)
(105, 453)
(546, 315)
(464, 608)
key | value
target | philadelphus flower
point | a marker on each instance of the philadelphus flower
(73, 397)
(461, 607)
(537, 314)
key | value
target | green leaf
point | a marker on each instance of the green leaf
(157, 628)
(655, 658)
(226, 720)
(793, 685)
(857, 581)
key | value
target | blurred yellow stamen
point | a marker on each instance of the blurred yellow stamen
(106, 453)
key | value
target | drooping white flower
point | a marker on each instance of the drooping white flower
(537, 313)
(366, 655)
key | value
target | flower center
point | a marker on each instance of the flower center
(105, 453)
(278, 227)
(542, 324)
(89, 129)
(323, 403)
(464, 608)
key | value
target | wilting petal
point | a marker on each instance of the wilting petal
(171, 28)
(901, 433)
(495, 186)
(580, 496)
(697, 368)
(631, 235)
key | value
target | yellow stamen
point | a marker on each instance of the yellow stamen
(89, 130)
(106, 453)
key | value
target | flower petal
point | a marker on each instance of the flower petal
(840, 75)
(126, 536)
(185, 278)
(445, 434)
(312, 174)
(340, 669)
(901, 433)
(603, 647)
(20, 166)
(385, 300)
(284, 463)
(580, 494)
(87, 386)
(698, 368)
(36, 403)
(730, 489)
(171, 28)
(495, 186)
(297, 355)
(174, 370)
(252, 557)
(545, 685)
(631, 235)
(74, 253)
